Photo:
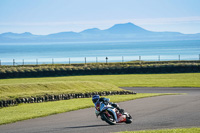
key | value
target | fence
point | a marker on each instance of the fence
(107, 59)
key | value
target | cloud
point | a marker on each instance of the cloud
(155, 21)
(148, 21)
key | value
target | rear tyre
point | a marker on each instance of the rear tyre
(128, 119)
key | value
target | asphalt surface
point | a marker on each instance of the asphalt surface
(171, 111)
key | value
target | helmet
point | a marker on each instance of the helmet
(95, 98)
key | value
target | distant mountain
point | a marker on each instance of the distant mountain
(92, 31)
(63, 35)
(127, 28)
(126, 31)
(16, 35)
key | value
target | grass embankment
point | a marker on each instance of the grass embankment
(129, 80)
(24, 89)
(178, 130)
(33, 110)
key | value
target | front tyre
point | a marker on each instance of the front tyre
(109, 119)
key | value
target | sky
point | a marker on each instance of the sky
(44, 17)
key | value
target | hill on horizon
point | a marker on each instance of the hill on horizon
(125, 31)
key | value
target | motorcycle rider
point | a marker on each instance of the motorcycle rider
(96, 99)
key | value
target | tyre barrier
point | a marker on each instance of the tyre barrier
(46, 98)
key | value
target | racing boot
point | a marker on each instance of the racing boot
(120, 110)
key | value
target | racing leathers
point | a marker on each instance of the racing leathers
(107, 101)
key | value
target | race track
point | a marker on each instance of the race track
(148, 113)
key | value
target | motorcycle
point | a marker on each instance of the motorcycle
(111, 115)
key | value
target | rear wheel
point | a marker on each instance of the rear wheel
(109, 118)
(128, 119)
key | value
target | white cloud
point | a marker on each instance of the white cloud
(107, 22)
(150, 21)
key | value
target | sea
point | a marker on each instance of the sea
(95, 52)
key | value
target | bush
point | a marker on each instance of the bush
(100, 68)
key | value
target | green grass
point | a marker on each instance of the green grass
(29, 111)
(129, 80)
(16, 90)
(177, 130)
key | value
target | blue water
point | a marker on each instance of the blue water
(97, 51)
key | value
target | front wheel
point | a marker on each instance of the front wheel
(109, 118)
(128, 119)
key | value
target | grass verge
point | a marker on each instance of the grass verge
(12, 91)
(128, 80)
(34, 110)
(177, 130)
